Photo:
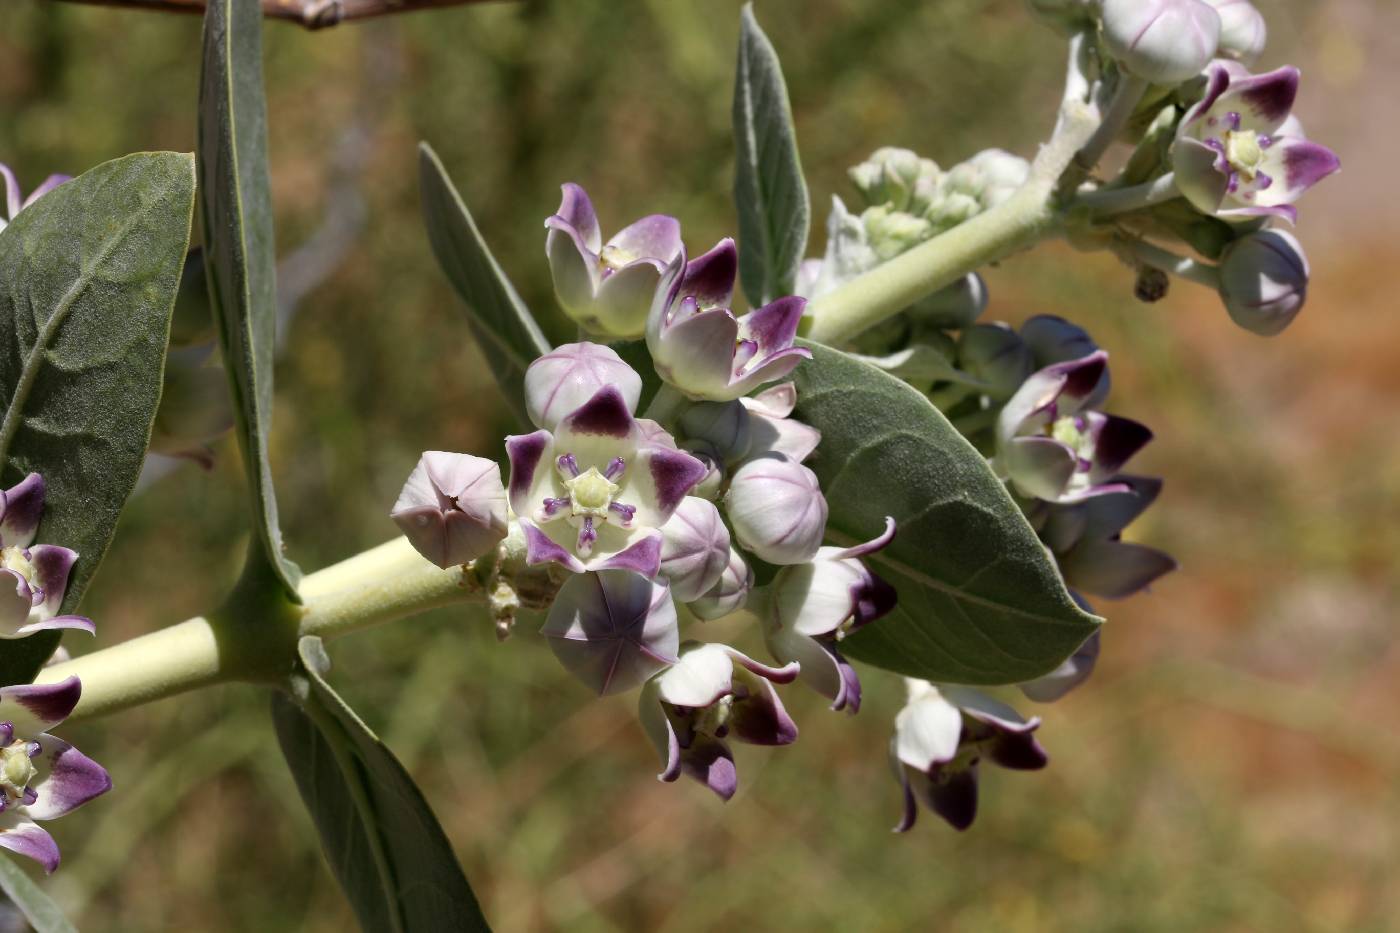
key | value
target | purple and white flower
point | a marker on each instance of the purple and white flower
(812, 606)
(1052, 339)
(453, 507)
(41, 777)
(1161, 41)
(1237, 156)
(1051, 446)
(33, 577)
(1085, 538)
(700, 347)
(1264, 281)
(940, 738)
(594, 494)
(777, 509)
(694, 549)
(996, 356)
(607, 287)
(567, 376)
(772, 428)
(613, 629)
(15, 201)
(712, 694)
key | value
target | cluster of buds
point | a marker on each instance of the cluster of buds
(41, 777)
(1223, 156)
(659, 519)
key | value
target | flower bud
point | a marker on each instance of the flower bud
(890, 233)
(1054, 340)
(566, 377)
(777, 509)
(954, 307)
(1242, 30)
(453, 507)
(1264, 281)
(613, 629)
(994, 354)
(1161, 41)
(694, 548)
(713, 481)
(890, 176)
(729, 594)
(725, 426)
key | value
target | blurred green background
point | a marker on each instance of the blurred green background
(1232, 766)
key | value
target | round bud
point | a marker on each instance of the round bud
(694, 548)
(777, 509)
(1264, 281)
(995, 355)
(729, 594)
(1054, 340)
(613, 629)
(453, 507)
(953, 307)
(723, 425)
(1242, 30)
(1161, 41)
(567, 376)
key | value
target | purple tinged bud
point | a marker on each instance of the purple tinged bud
(694, 549)
(777, 509)
(453, 507)
(725, 426)
(1264, 281)
(613, 629)
(564, 378)
(1161, 41)
(1243, 32)
(730, 593)
(953, 307)
(995, 355)
(1053, 339)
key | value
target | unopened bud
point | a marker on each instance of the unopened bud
(453, 507)
(723, 425)
(694, 548)
(730, 593)
(566, 377)
(890, 176)
(777, 509)
(1243, 32)
(1161, 41)
(953, 307)
(613, 629)
(1264, 281)
(996, 355)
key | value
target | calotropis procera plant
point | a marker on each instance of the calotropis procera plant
(842, 476)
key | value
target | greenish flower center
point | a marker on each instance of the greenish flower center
(16, 769)
(1243, 152)
(13, 558)
(615, 257)
(591, 492)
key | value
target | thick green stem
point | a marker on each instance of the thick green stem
(388, 582)
(1025, 217)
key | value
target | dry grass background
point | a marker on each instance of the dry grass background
(1233, 766)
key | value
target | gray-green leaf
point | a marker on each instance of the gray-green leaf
(238, 244)
(43, 914)
(502, 325)
(380, 837)
(769, 190)
(980, 600)
(88, 276)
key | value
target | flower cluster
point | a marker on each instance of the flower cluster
(1224, 156)
(41, 777)
(658, 519)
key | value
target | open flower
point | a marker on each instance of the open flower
(594, 494)
(607, 287)
(1051, 447)
(1085, 538)
(941, 736)
(700, 347)
(41, 777)
(33, 577)
(16, 202)
(1237, 156)
(772, 428)
(813, 606)
(711, 694)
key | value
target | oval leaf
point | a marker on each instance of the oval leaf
(386, 848)
(502, 325)
(239, 256)
(43, 914)
(88, 277)
(980, 600)
(769, 190)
